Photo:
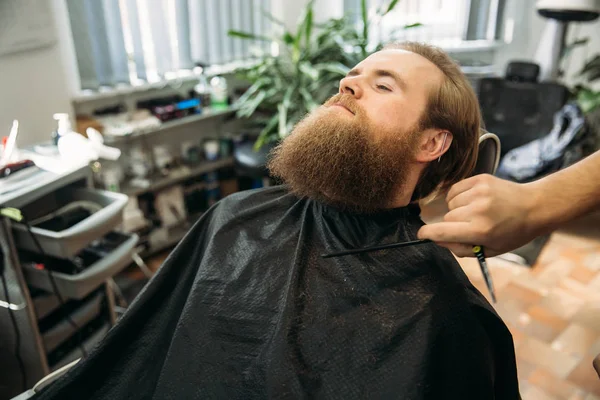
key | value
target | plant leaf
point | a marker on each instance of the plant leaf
(588, 100)
(283, 108)
(303, 27)
(272, 92)
(260, 142)
(309, 101)
(250, 106)
(594, 62)
(572, 46)
(282, 119)
(390, 7)
(253, 89)
(309, 70)
(288, 38)
(593, 75)
(415, 25)
(287, 97)
(396, 31)
(309, 26)
(246, 35)
(335, 67)
(272, 18)
(579, 42)
(590, 66)
(364, 12)
(263, 136)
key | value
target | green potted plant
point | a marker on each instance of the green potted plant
(307, 70)
(588, 98)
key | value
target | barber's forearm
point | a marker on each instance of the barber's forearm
(567, 194)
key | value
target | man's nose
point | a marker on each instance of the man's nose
(351, 86)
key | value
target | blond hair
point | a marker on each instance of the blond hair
(453, 107)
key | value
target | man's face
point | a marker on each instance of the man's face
(357, 150)
(392, 87)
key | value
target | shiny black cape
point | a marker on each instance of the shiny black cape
(245, 308)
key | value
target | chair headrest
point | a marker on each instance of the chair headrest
(489, 154)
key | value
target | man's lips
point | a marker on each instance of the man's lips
(344, 107)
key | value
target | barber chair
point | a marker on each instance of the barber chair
(46, 381)
(517, 107)
(489, 154)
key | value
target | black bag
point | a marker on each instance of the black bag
(566, 143)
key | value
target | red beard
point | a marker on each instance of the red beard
(343, 160)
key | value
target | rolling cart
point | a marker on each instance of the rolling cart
(56, 302)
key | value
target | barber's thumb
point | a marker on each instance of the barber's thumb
(432, 232)
(459, 250)
(436, 233)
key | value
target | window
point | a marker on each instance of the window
(447, 23)
(128, 42)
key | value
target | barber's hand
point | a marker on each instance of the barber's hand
(487, 211)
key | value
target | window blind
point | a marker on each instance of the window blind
(443, 21)
(124, 42)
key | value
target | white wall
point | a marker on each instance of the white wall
(34, 85)
(290, 11)
(520, 18)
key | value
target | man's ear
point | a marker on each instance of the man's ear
(432, 145)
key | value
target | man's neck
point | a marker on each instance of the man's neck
(404, 193)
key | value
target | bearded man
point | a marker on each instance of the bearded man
(246, 308)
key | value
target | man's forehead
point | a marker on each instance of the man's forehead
(399, 60)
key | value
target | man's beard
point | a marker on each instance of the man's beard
(343, 161)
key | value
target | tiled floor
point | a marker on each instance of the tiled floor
(552, 309)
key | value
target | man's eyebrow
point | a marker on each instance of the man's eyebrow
(353, 72)
(392, 74)
(382, 73)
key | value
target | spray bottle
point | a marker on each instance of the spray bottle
(64, 126)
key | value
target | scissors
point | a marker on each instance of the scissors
(487, 162)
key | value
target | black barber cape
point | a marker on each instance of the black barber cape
(246, 308)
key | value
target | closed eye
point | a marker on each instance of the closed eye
(383, 87)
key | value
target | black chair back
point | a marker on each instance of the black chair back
(519, 112)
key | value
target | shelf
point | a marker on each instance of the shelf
(178, 176)
(174, 82)
(175, 236)
(205, 115)
(126, 90)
